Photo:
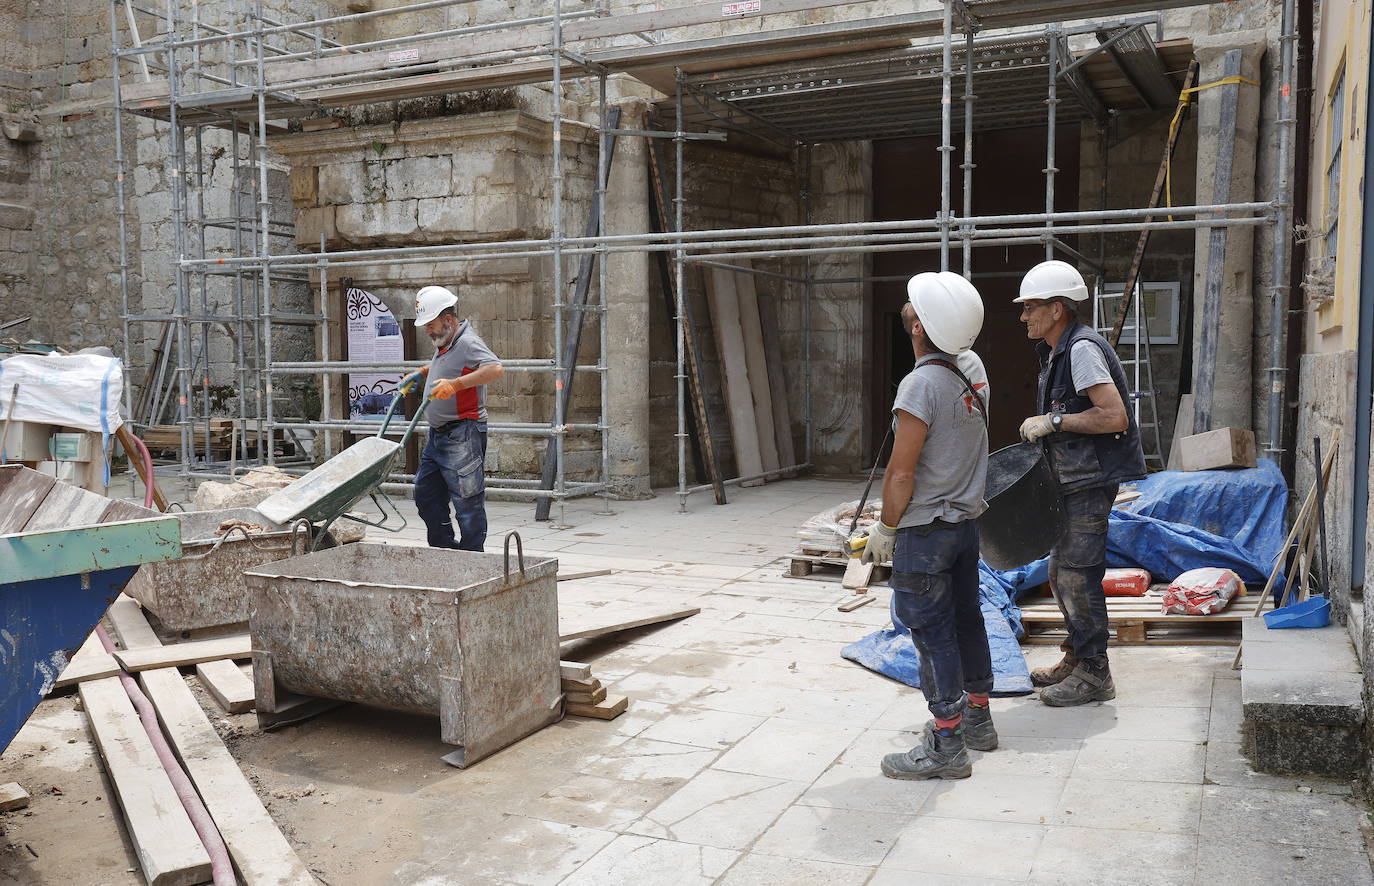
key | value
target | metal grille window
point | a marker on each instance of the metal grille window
(1333, 166)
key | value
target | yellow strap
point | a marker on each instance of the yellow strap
(1184, 98)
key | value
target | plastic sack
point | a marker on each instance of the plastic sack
(1125, 582)
(71, 390)
(1202, 591)
(824, 534)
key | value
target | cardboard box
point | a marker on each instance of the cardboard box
(27, 441)
(1221, 448)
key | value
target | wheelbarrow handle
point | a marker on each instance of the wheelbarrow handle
(410, 429)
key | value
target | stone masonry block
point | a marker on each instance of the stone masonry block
(1304, 749)
(312, 222)
(16, 216)
(305, 186)
(501, 213)
(418, 177)
(342, 183)
(378, 222)
(441, 217)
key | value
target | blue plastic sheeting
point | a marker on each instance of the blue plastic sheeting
(891, 652)
(1245, 506)
(1231, 519)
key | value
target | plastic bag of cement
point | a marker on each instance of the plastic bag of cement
(824, 534)
(1202, 591)
(72, 390)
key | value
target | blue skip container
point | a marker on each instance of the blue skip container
(1314, 612)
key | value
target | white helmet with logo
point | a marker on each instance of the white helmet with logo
(1053, 279)
(430, 302)
(949, 307)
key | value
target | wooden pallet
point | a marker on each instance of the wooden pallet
(827, 567)
(1136, 621)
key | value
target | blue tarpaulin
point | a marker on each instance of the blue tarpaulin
(1231, 519)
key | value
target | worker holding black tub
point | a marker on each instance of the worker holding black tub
(932, 496)
(1093, 445)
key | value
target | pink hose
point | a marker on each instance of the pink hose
(148, 468)
(222, 871)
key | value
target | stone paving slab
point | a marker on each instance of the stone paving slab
(749, 752)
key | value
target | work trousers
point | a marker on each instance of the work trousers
(935, 597)
(1077, 564)
(451, 475)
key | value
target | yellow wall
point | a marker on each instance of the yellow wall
(1342, 40)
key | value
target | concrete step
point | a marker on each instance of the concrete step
(1302, 694)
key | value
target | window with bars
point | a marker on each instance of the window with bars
(1336, 116)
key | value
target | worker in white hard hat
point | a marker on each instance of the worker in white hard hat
(1093, 445)
(932, 496)
(450, 484)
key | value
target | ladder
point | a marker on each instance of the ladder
(1136, 362)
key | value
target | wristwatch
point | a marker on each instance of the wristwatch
(1057, 421)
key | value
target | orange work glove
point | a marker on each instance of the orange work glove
(410, 381)
(446, 387)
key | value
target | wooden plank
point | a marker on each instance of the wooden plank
(583, 622)
(227, 685)
(12, 796)
(126, 439)
(851, 605)
(130, 624)
(572, 670)
(720, 290)
(165, 841)
(182, 654)
(66, 507)
(679, 306)
(21, 492)
(596, 696)
(581, 685)
(90, 663)
(260, 852)
(606, 710)
(756, 361)
(573, 576)
(777, 382)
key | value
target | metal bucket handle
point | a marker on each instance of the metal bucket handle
(519, 553)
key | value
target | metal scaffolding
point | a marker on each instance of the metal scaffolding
(244, 78)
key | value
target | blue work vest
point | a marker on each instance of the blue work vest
(1086, 461)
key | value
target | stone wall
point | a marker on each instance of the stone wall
(472, 178)
(1326, 393)
(723, 188)
(1135, 146)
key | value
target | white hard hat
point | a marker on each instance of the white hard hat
(1053, 279)
(949, 307)
(430, 301)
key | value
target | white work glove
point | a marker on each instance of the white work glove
(881, 541)
(1035, 427)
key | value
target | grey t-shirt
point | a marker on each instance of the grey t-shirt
(953, 465)
(1089, 366)
(465, 353)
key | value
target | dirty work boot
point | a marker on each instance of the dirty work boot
(1056, 674)
(1089, 681)
(941, 754)
(978, 731)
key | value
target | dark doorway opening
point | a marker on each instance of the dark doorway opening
(1008, 179)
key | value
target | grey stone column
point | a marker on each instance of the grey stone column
(1232, 378)
(627, 320)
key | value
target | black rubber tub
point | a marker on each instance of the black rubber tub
(1025, 516)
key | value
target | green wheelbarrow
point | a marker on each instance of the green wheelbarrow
(326, 493)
